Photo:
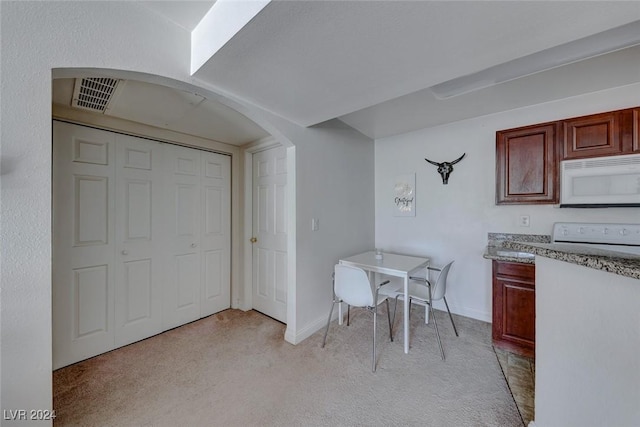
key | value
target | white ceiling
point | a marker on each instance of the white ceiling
(371, 63)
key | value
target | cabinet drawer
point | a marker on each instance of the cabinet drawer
(514, 269)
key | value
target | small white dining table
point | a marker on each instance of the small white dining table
(393, 265)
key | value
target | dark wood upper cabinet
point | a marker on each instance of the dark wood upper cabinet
(527, 165)
(528, 158)
(594, 135)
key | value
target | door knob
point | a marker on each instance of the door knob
(253, 239)
(125, 252)
(194, 245)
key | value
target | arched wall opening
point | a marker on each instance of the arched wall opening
(241, 266)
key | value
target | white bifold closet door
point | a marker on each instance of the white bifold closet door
(141, 239)
(198, 230)
(138, 239)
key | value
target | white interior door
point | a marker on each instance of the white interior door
(270, 232)
(215, 235)
(182, 288)
(139, 244)
(83, 255)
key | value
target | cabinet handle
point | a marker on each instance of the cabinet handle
(194, 245)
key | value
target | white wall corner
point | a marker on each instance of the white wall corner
(296, 337)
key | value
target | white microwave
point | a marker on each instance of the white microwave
(600, 182)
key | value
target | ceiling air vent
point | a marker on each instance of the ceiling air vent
(94, 93)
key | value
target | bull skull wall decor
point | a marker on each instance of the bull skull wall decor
(445, 168)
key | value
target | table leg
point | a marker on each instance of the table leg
(339, 313)
(406, 313)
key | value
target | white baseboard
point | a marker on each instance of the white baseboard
(296, 337)
(464, 311)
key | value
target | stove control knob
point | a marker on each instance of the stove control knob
(581, 230)
(605, 230)
(624, 232)
(565, 232)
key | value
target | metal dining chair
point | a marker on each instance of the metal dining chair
(351, 285)
(423, 291)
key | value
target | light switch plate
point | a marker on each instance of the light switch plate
(315, 224)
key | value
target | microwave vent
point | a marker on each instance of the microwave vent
(603, 162)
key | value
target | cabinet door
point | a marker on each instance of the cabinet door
(526, 165)
(594, 135)
(514, 307)
(636, 130)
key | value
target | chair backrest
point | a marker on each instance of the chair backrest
(352, 286)
(440, 287)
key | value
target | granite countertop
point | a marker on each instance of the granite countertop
(497, 249)
(523, 248)
(510, 255)
(620, 263)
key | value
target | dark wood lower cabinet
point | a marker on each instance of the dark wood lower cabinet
(514, 307)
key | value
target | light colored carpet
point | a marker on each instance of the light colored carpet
(235, 369)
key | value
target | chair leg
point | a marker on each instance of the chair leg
(450, 316)
(389, 318)
(348, 313)
(324, 340)
(395, 309)
(435, 323)
(375, 321)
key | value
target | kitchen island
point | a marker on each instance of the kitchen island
(587, 335)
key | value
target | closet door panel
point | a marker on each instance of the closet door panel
(83, 245)
(215, 236)
(181, 303)
(139, 242)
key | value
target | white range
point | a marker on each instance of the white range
(614, 237)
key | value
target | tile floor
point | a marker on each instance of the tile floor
(520, 374)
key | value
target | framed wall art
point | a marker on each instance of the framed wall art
(404, 195)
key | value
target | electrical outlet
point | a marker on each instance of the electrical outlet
(524, 221)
